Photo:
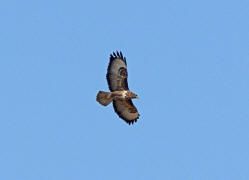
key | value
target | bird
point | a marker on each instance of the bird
(120, 95)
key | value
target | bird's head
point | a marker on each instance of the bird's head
(133, 95)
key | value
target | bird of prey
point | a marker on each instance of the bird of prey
(120, 94)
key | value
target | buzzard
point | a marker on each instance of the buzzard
(120, 94)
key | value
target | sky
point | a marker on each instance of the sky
(187, 61)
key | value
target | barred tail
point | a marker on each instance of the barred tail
(104, 98)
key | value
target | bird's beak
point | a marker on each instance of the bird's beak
(137, 97)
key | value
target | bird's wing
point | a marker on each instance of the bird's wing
(126, 110)
(117, 72)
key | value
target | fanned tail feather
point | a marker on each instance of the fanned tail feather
(104, 98)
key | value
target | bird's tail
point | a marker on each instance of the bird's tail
(104, 98)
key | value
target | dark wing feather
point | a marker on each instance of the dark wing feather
(117, 72)
(126, 110)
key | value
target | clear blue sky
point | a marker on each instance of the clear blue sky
(187, 60)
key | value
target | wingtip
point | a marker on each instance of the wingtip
(131, 122)
(117, 54)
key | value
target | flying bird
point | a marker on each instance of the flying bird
(120, 94)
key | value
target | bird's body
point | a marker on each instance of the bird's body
(104, 97)
(125, 94)
(120, 94)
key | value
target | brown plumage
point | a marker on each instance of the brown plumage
(120, 94)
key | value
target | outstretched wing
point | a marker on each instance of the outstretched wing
(126, 110)
(117, 72)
